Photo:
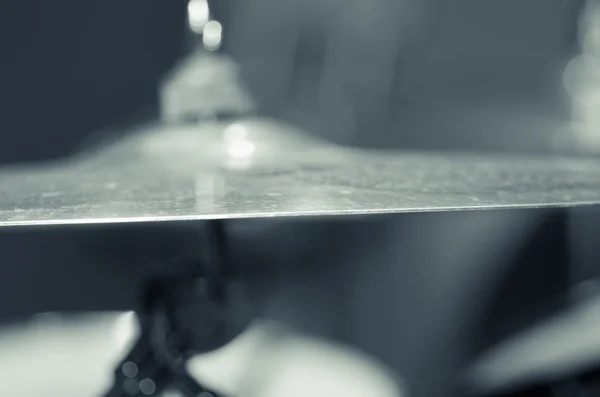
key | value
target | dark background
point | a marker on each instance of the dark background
(68, 68)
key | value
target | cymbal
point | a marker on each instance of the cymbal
(258, 168)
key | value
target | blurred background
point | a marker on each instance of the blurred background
(404, 73)
(447, 304)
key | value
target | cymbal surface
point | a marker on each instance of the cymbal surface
(259, 168)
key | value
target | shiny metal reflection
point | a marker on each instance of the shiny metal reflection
(147, 386)
(236, 139)
(212, 35)
(198, 15)
(130, 369)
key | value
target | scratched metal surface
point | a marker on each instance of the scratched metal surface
(260, 168)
